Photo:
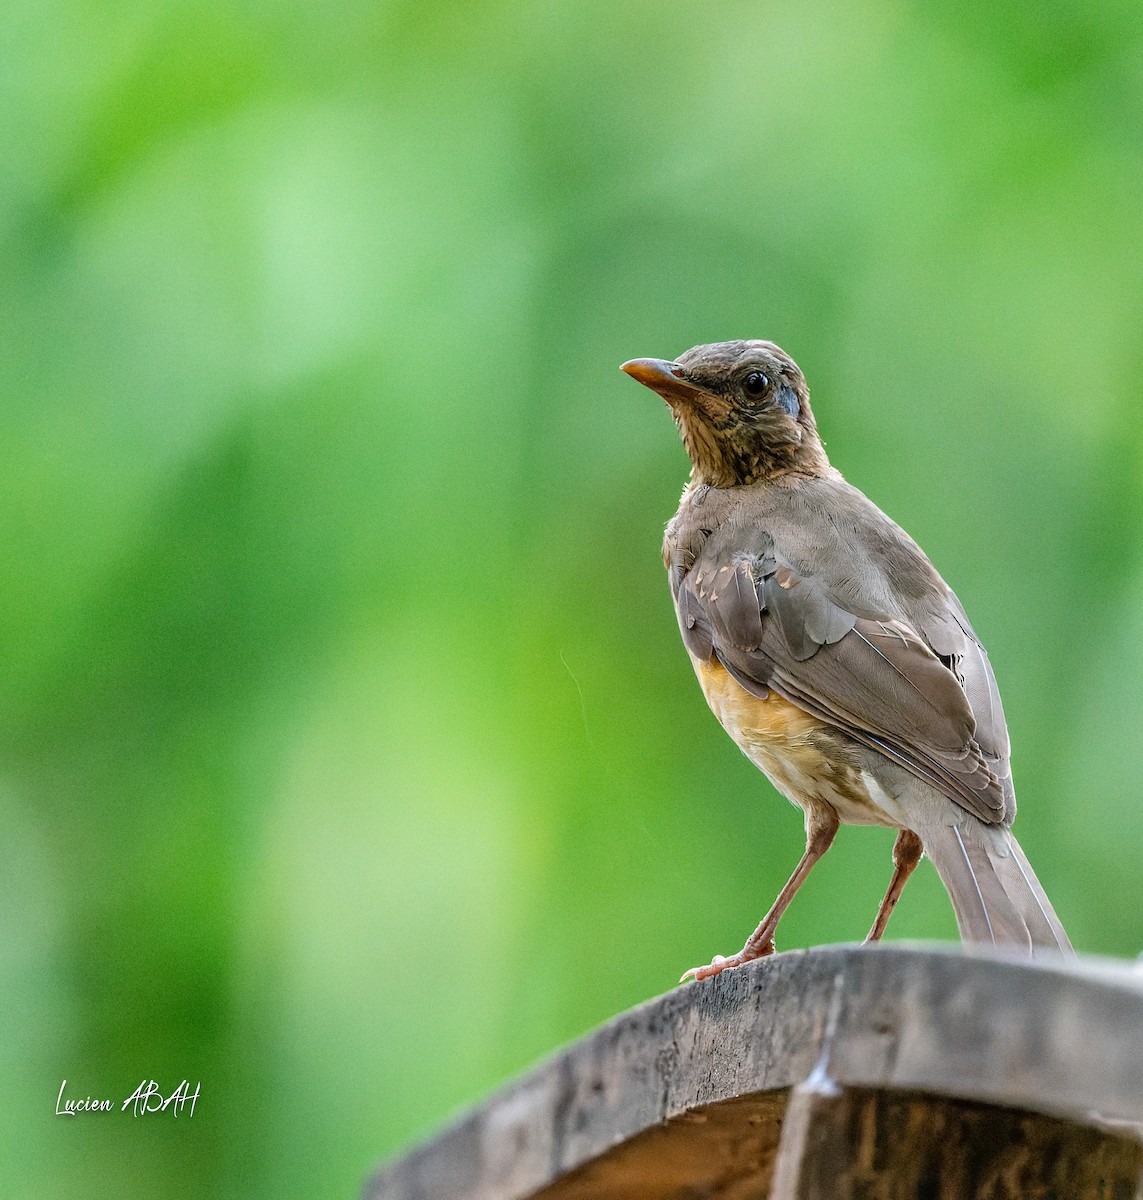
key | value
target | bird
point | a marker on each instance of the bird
(834, 654)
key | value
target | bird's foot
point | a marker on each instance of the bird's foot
(717, 964)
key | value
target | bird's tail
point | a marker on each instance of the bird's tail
(995, 893)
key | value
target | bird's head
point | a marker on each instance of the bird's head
(743, 410)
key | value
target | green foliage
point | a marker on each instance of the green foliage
(350, 760)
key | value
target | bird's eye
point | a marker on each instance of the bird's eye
(755, 384)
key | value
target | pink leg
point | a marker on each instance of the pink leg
(907, 850)
(821, 828)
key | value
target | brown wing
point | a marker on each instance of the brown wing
(877, 677)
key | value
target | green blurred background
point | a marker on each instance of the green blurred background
(349, 759)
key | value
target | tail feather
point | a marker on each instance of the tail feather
(1049, 932)
(995, 893)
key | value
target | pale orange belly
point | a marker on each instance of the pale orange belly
(804, 758)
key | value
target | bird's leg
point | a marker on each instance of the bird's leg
(821, 828)
(907, 850)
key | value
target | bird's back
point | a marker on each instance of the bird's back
(842, 567)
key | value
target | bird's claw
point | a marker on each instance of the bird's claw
(719, 963)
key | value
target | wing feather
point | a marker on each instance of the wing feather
(879, 680)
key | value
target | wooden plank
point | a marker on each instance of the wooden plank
(867, 1144)
(1062, 1038)
(725, 1151)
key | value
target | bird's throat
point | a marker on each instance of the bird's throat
(723, 460)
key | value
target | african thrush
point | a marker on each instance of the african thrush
(833, 653)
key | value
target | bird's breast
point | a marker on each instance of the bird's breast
(807, 760)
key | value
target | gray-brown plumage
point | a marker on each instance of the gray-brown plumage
(833, 653)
